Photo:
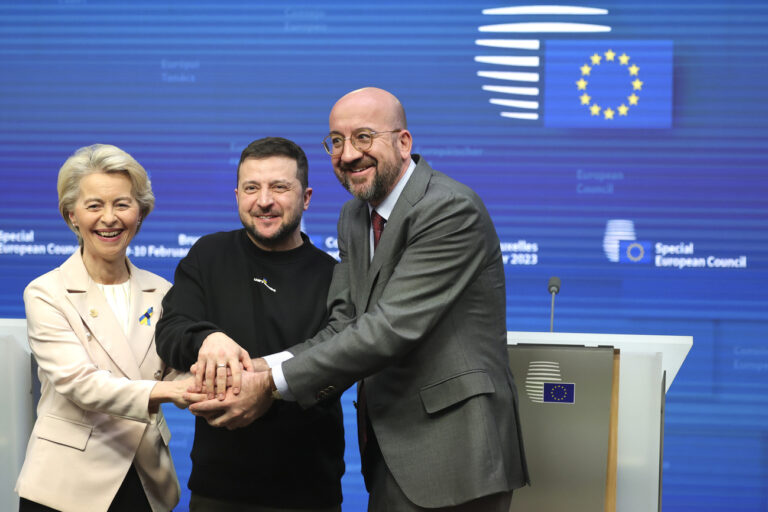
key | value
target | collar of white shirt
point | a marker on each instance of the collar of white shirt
(388, 204)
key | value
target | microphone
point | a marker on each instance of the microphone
(554, 288)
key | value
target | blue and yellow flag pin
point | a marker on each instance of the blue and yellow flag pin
(144, 319)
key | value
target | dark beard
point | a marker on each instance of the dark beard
(383, 182)
(285, 231)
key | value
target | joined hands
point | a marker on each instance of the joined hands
(237, 410)
(230, 390)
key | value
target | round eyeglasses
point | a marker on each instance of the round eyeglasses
(361, 140)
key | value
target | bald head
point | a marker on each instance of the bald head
(370, 170)
(376, 104)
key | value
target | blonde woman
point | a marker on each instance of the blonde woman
(100, 442)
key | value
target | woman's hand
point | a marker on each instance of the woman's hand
(174, 391)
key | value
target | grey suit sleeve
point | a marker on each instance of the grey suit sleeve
(446, 242)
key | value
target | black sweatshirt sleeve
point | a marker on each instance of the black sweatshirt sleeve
(182, 328)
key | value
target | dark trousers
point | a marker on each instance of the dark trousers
(198, 503)
(129, 498)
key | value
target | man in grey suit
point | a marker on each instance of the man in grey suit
(418, 319)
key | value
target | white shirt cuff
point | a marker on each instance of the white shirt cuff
(275, 361)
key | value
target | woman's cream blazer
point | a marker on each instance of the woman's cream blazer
(92, 419)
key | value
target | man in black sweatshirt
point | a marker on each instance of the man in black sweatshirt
(248, 293)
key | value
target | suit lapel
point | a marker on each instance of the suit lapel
(358, 251)
(97, 315)
(390, 241)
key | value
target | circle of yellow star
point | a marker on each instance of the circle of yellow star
(608, 112)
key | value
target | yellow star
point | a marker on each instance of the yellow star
(585, 99)
(633, 69)
(637, 85)
(623, 109)
(596, 59)
(609, 55)
(582, 84)
(585, 70)
(595, 109)
(608, 113)
(623, 59)
(633, 99)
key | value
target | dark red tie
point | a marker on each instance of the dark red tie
(377, 222)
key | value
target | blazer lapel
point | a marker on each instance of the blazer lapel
(97, 315)
(145, 311)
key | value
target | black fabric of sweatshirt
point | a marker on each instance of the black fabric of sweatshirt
(266, 302)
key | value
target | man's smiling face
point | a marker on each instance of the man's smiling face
(372, 174)
(271, 201)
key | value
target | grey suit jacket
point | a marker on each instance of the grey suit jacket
(424, 323)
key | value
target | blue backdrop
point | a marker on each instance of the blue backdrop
(619, 145)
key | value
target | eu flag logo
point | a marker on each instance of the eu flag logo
(633, 251)
(558, 392)
(608, 84)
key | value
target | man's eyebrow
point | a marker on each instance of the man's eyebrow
(273, 182)
(335, 132)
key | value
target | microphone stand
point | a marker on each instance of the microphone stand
(552, 313)
(554, 287)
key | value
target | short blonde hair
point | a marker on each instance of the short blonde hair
(101, 158)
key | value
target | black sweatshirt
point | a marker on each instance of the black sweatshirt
(266, 302)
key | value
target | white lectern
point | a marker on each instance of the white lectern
(575, 412)
(17, 404)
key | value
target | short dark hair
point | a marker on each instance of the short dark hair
(277, 146)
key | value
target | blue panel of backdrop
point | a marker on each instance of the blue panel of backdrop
(619, 145)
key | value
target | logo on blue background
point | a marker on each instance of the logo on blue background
(608, 84)
(539, 69)
(617, 231)
(634, 251)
